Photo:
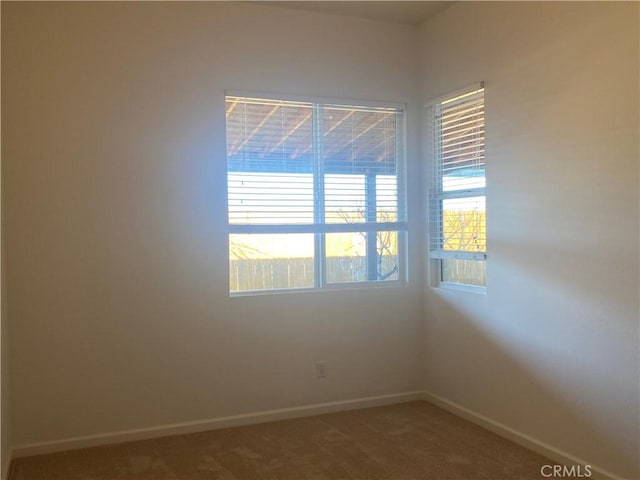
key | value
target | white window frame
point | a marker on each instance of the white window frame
(436, 195)
(319, 229)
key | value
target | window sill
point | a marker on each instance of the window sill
(334, 287)
(460, 287)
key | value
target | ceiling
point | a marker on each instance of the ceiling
(410, 13)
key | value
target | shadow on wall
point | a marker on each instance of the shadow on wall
(552, 349)
(549, 356)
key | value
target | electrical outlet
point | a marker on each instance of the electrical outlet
(321, 370)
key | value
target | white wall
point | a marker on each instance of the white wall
(114, 166)
(5, 420)
(552, 349)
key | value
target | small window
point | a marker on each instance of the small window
(458, 225)
(315, 196)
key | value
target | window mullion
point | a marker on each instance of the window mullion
(370, 216)
(470, 192)
(437, 208)
(319, 258)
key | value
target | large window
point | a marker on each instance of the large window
(315, 196)
(457, 201)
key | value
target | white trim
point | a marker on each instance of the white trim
(457, 255)
(216, 423)
(327, 287)
(520, 438)
(469, 193)
(462, 287)
(327, 101)
(456, 93)
(241, 228)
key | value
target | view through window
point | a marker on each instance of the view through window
(315, 194)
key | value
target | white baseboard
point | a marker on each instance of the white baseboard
(210, 424)
(520, 438)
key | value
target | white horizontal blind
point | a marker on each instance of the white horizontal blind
(299, 163)
(270, 161)
(458, 213)
(359, 159)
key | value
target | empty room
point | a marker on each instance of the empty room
(320, 240)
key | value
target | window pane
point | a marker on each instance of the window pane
(347, 258)
(270, 261)
(463, 179)
(387, 255)
(358, 140)
(464, 224)
(460, 143)
(265, 135)
(344, 198)
(468, 272)
(387, 198)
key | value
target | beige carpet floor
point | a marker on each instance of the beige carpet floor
(406, 441)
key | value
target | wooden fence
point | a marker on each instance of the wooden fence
(260, 274)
